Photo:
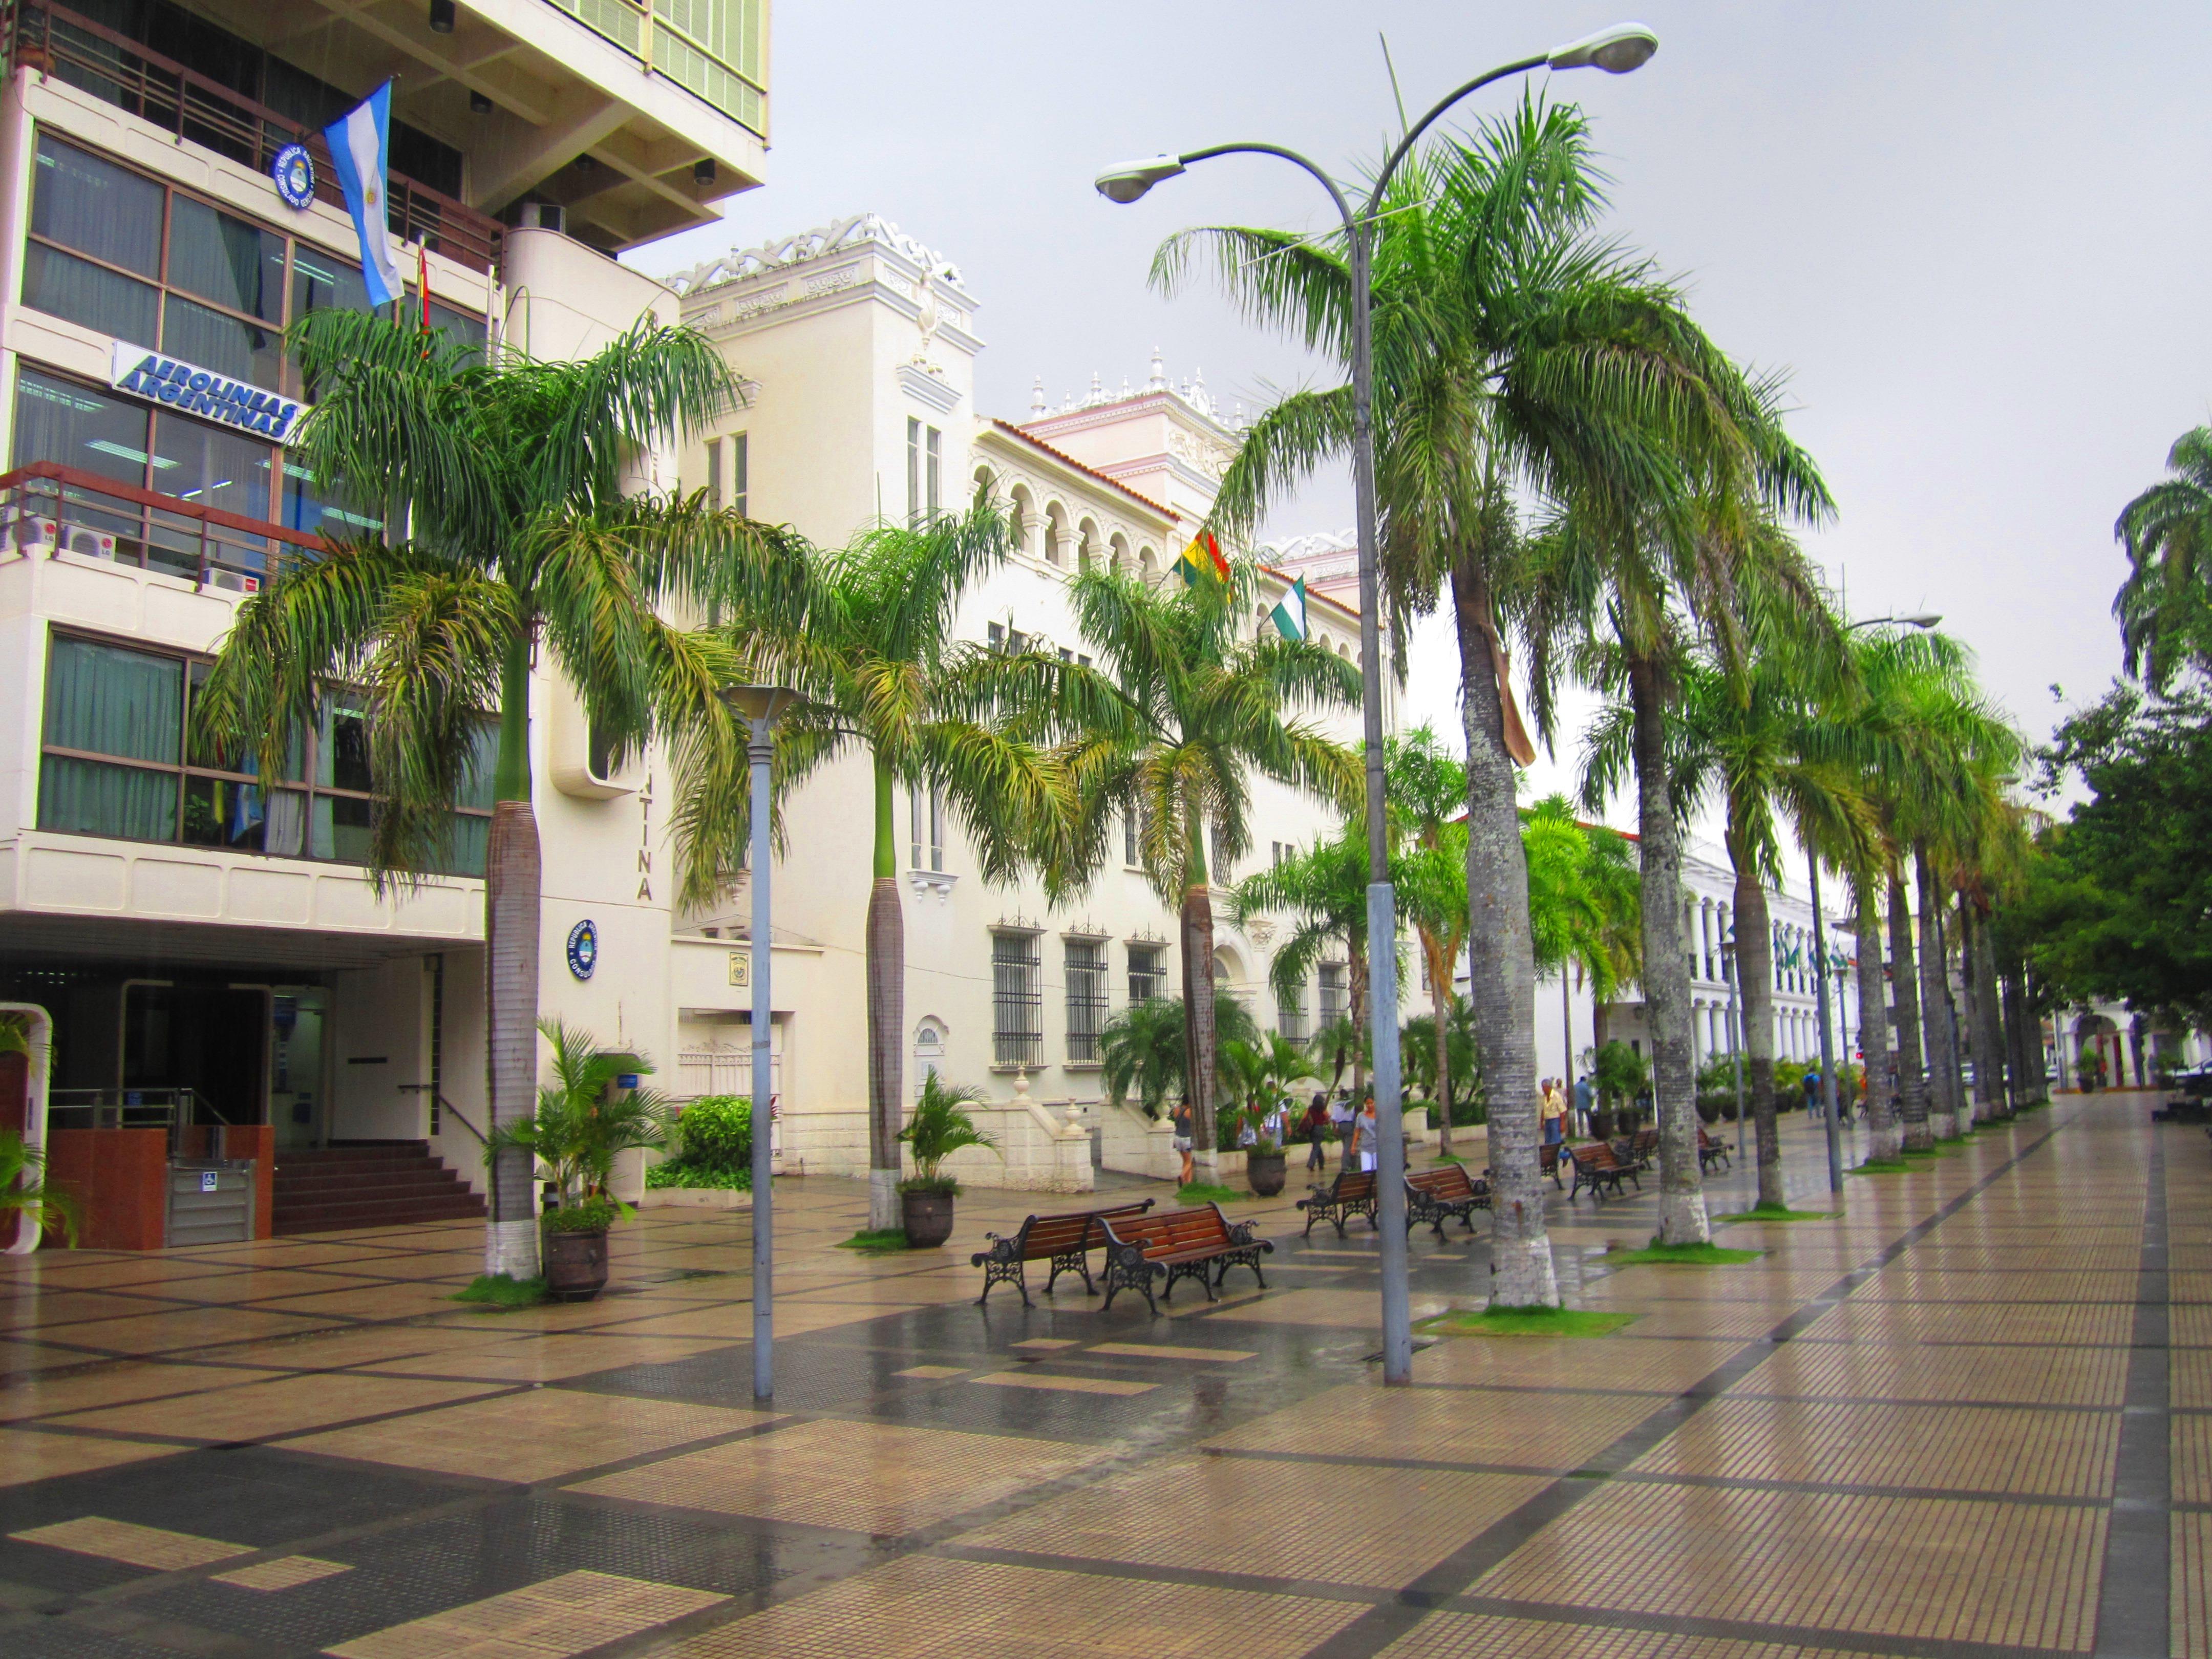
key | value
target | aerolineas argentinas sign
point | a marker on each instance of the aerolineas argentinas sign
(190, 390)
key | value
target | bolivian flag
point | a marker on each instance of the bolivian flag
(1203, 553)
(1290, 614)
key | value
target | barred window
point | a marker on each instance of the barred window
(1291, 1013)
(1335, 992)
(1086, 997)
(1016, 999)
(1148, 972)
(1129, 849)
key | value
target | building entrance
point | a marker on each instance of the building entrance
(212, 1039)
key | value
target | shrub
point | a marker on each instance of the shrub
(715, 1133)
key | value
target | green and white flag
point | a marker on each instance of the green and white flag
(1290, 614)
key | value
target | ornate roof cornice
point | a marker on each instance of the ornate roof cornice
(842, 236)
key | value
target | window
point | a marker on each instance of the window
(932, 462)
(996, 633)
(1129, 848)
(1016, 999)
(1220, 873)
(114, 761)
(1335, 992)
(714, 473)
(925, 456)
(741, 475)
(1086, 998)
(1148, 973)
(1291, 1013)
(913, 472)
(928, 810)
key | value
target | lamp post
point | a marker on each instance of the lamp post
(1617, 51)
(759, 705)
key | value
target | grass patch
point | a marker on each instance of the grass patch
(1526, 1321)
(502, 1292)
(1447, 1157)
(1205, 1192)
(1683, 1255)
(1779, 1212)
(889, 1241)
(1881, 1166)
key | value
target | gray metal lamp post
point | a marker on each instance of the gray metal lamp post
(1617, 51)
(759, 705)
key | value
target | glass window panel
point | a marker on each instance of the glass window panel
(304, 508)
(114, 701)
(286, 833)
(210, 466)
(96, 207)
(322, 280)
(476, 784)
(225, 344)
(471, 841)
(87, 798)
(65, 286)
(340, 829)
(234, 264)
(218, 813)
(458, 327)
(60, 421)
(342, 753)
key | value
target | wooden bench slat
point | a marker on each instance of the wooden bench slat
(1064, 1240)
(1200, 1243)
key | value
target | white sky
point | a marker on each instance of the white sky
(1974, 232)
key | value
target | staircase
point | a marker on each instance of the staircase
(367, 1183)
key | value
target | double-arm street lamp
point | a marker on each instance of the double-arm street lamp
(1617, 51)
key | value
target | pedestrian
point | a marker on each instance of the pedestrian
(1552, 1108)
(1585, 1098)
(1360, 1154)
(1812, 1091)
(1182, 1122)
(1275, 1127)
(1314, 1128)
(1340, 1124)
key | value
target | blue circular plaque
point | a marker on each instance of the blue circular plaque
(294, 170)
(583, 948)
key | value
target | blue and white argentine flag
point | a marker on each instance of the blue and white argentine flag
(360, 141)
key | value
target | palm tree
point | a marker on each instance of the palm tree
(29, 1203)
(1323, 892)
(1206, 708)
(1426, 791)
(882, 676)
(1512, 350)
(583, 1122)
(2165, 606)
(509, 476)
(1143, 1049)
(1584, 902)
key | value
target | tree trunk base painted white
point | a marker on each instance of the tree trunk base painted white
(1886, 1142)
(1682, 1218)
(511, 1248)
(1945, 1124)
(884, 1213)
(1525, 1277)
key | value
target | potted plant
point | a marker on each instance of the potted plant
(712, 1166)
(1622, 1075)
(28, 1200)
(583, 1122)
(941, 1127)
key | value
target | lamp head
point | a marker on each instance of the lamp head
(1623, 47)
(1131, 179)
(1923, 621)
(760, 704)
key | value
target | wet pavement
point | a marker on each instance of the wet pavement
(1971, 1416)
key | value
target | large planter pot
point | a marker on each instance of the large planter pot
(1265, 1172)
(928, 1218)
(1601, 1124)
(1708, 1110)
(575, 1265)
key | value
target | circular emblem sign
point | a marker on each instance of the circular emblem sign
(294, 170)
(583, 948)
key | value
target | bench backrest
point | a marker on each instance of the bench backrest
(1450, 1180)
(1597, 1155)
(1646, 1142)
(1044, 1236)
(1353, 1184)
(1170, 1232)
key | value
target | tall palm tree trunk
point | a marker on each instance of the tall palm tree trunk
(1361, 985)
(1989, 1024)
(2027, 1072)
(1970, 1106)
(1755, 990)
(1935, 1005)
(1920, 1135)
(1682, 1218)
(1198, 1039)
(886, 951)
(514, 882)
(1440, 977)
(1884, 1140)
(1501, 965)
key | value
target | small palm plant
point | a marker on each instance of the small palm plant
(941, 1127)
(582, 1123)
(35, 1205)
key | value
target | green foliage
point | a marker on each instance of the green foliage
(686, 1175)
(1203, 1192)
(2165, 606)
(1681, 1255)
(888, 1241)
(1881, 1166)
(1140, 1051)
(583, 1122)
(25, 1194)
(1622, 1073)
(590, 1215)
(1417, 1048)
(1780, 1212)
(1527, 1321)
(940, 1127)
(15, 1033)
(715, 1135)
(502, 1292)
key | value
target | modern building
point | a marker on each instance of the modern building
(205, 941)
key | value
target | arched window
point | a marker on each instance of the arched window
(1146, 566)
(1086, 543)
(1117, 552)
(929, 1052)
(1055, 526)
(1021, 519)
(986, 480)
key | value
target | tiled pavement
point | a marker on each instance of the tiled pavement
(1948, 1425)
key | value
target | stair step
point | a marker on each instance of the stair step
(368, 1184)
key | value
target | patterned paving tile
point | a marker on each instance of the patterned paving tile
(26, 1456)
(529, 1436)
(285, 1572)
(1352, 1310)
(1480, 1636)
(256, 1410)
(876, 1478)
(2189, 1379)
(182, 1330)
(2189, 1604)
(132, 1545)
(1163, 1351)
(1561, 1361)
(1381, 1527)
(1958, 1569)
(2191, 1468)
(1905, 1283)
(552, 1358)
(1950, 1448)
(1066, 1384)
(37, 1396)
(1532, 1429)
(568, 1614)
(924, 1608)
(2089, 1323)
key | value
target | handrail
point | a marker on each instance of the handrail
(219, 547)
(445, 1105)
(231, 124)
(95, 484)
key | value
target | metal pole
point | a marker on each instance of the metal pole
(1828, 1048)
(760, 751)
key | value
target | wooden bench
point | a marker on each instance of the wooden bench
(1600, 1168)
(1200, 1243)
(1548, 1159)
(1436, 1195)
(1711, 1152)
(1063, 1240)
(1352, 1193)
(1642, 1149)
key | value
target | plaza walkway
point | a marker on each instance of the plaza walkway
(1971, 1417)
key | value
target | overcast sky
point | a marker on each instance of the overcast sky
(1974, 233)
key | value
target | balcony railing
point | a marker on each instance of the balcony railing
(46, 508)
(94, 59)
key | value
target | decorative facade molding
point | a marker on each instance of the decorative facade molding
(932, 884)
(842, 235)
(928, 389)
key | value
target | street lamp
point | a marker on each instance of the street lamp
(1923, 620)
(758, 706)
(1617, 51)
